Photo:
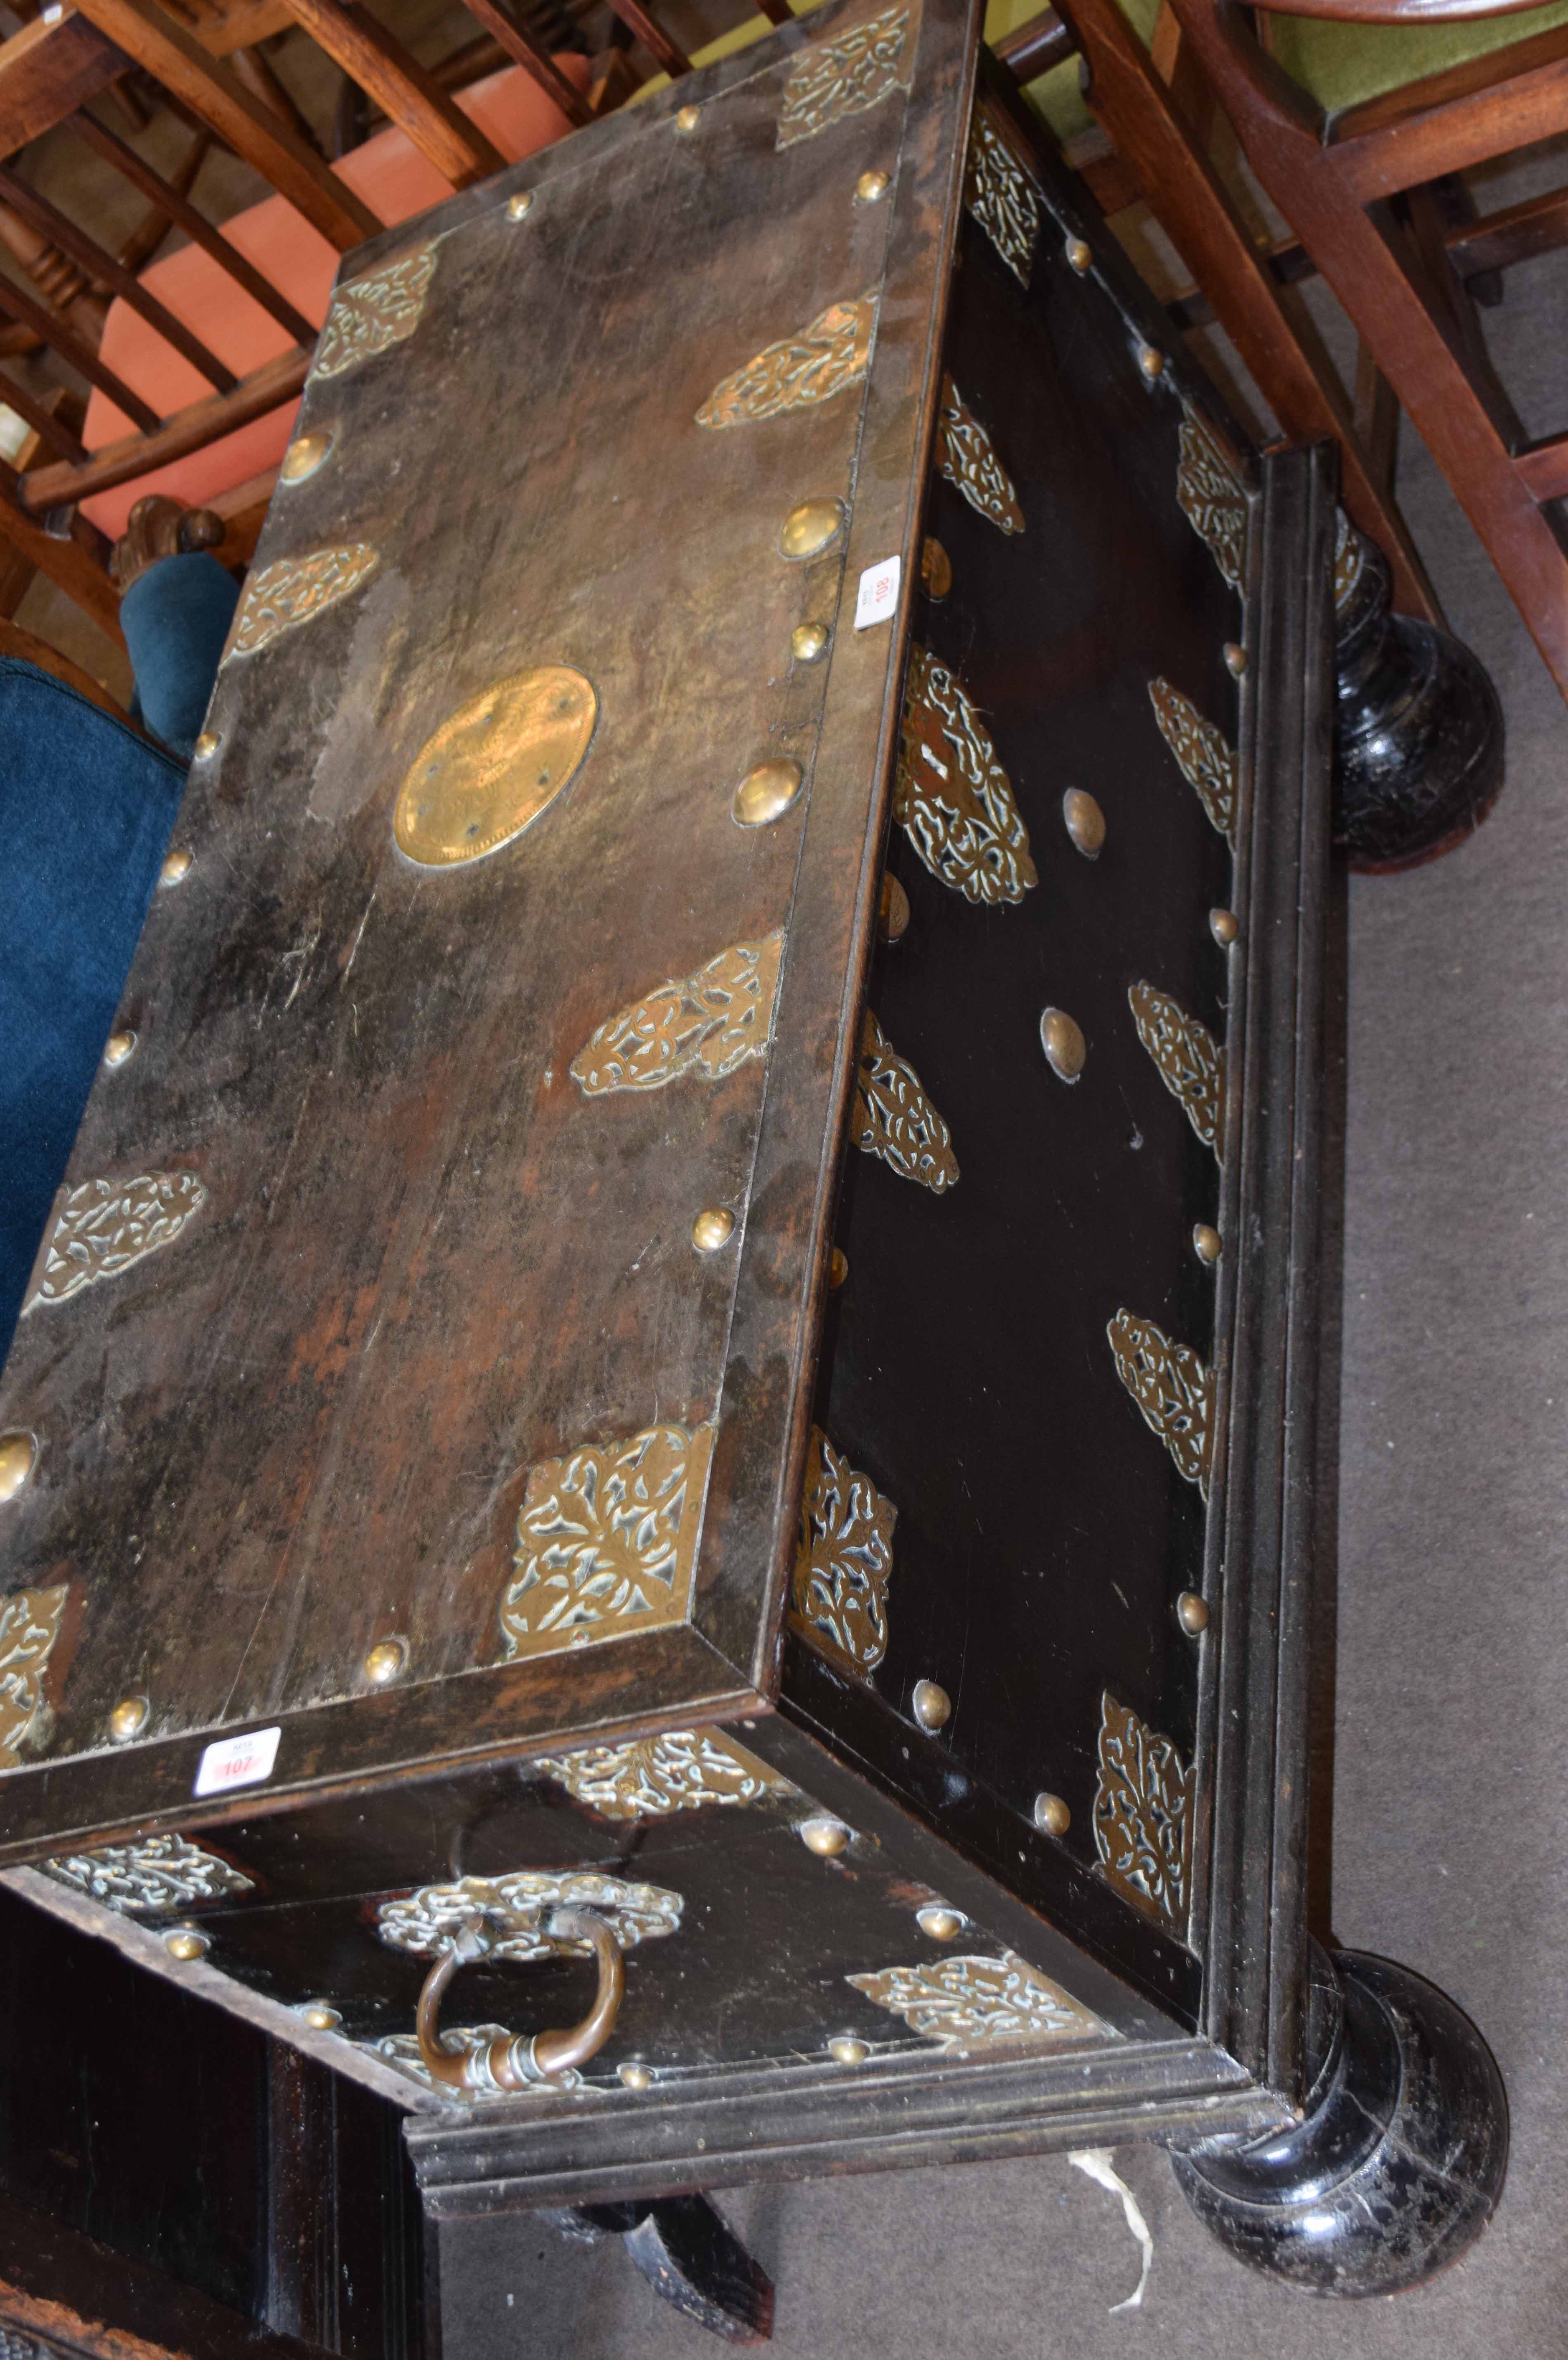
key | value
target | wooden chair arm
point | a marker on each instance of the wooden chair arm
(1399, 12)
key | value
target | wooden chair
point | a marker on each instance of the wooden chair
(202, 357)
(1117, 86)
(1353, 126)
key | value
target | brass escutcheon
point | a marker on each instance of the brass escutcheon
(494, 765)
(513, 2062)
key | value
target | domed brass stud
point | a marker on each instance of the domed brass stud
(687, 119)
(1191, 1613)
(938, 1921)
(187, 1942)
(1063, 1043)
(118, 1047)
(934, 1706)
(1206, 1242)
(767, 792)
(1085, 821)
(519, 207)
(1152, 362)
(846, 2050)
(176, 867)
(635, 2076)
(206, 745)
(1235, 658)
(1079, 255)
(871, 187)
(1052, 1815)
(809, 643)
(18, 1457)
(838, 1268)
(893, 912)
(320, 2015)
(810, 528)
(128, 1719)
(1224, 926)
(936, 568)
(385, 1661)
(304, 455)
(713, 1228)
(827, 1838)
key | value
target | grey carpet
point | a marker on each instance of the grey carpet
(1448, 1847)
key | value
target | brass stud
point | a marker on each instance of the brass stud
(1152, 362)
(206, 745)
(1063, 1043)
(938, 1921)
(826, 1837)
(934, 1706)
(175, 866)
(1085, 821)
(811, 528)
(519, 207)
(118, 1048)
(320, 2015)
(893, 912)
(846, 2050)
(936, 568)
(713, 1228)
(1191, 1613)
(635, 2076)
(871, 187)
(765, 794)
(1079, 255)
(687, 119)
(18, 1457)
(304, 455)
(1224, 926)
(808, 641)
(187, 1942)
(1235, 658)
(385, 1661)
(1052, 1815)
(1206, 1242)
(128, 1719)
(838, 1268)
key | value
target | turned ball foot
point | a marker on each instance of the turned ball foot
(1418, 736)
(1398, 2158)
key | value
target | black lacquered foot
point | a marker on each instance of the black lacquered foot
(1418, 733)
(1398, 2159)
(688, 2256)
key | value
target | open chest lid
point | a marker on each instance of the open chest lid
(418, 1364)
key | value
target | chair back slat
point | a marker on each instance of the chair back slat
(525, 51)
(49, 325)
(102, 266)
(47, 70)
(653, 38)
(215, 95)
(187, 430)
(184, 215)
(407, 96)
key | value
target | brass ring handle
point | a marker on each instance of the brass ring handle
(513, 2063)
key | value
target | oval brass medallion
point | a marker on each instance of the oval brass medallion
(494, 765)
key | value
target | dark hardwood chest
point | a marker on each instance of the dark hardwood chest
(689, 1337)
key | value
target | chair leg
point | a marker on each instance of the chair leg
(1436, 390)
(1185, 194)
(77, 569)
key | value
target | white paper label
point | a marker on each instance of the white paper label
(238, 1762)
(878, 594)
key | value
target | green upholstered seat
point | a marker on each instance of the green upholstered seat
(1344, 65)
(1055, 95)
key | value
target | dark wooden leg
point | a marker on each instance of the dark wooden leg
(688, 2256)
(1418, 733)
(1398, 2158)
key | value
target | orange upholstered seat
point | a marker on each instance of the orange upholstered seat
(393, 180)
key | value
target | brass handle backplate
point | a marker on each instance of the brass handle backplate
(518, 2061)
